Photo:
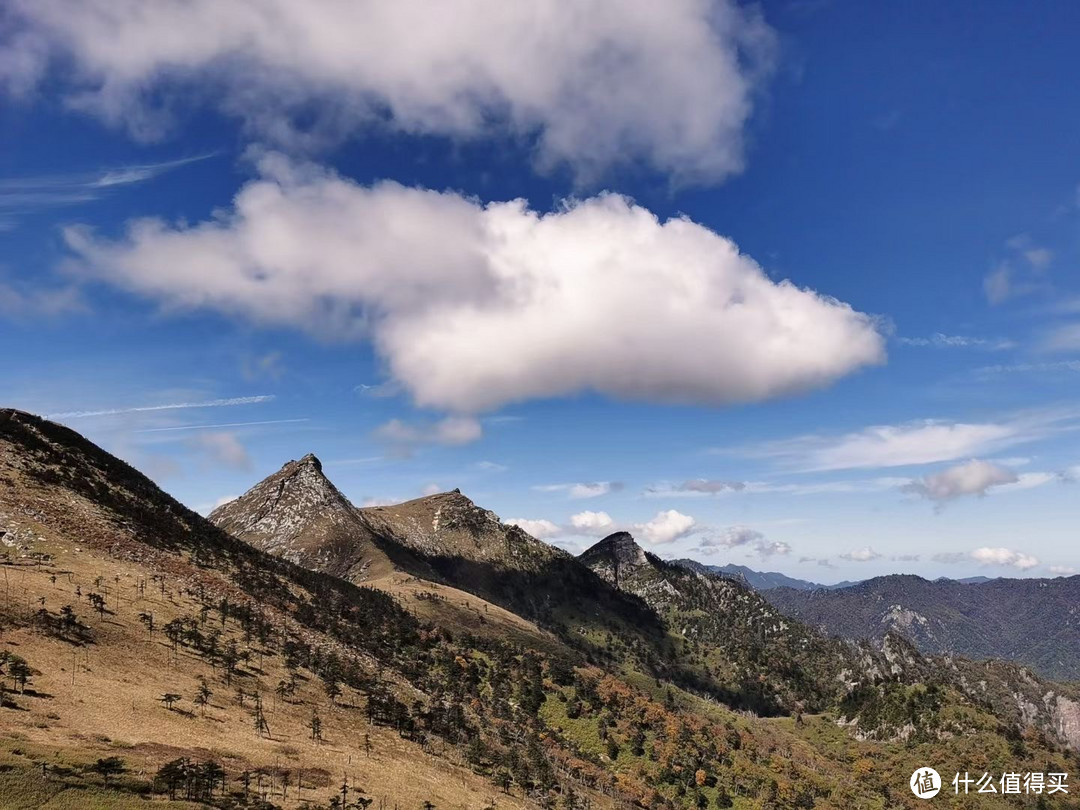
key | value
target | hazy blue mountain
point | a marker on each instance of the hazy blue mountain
(760, 580)
(1035, 622)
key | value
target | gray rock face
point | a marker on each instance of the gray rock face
(298, 514)
(615, 558)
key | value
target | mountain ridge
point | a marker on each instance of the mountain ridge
(1035, 622)
(454, 713)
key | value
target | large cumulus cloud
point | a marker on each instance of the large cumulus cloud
(473, 306)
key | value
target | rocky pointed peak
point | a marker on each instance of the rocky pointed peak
(297, 513)
(615, 557)
(281, 505)
(310, 460)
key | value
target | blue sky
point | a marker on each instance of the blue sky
(224, 245)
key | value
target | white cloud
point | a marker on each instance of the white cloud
(450, 431)
(864, 554)
(923, 442)
(1004, 557)
(594, 523)
(1038, 257)
(31, 301)
(1022, 274)
(667, 527)
(475, 306)
(974, 477)
(771, 547)
(1064, 338)
(375, 501)
(593, 489)
(222, 448)
(431, 489)
(742, 537)
(597, 83)
(540, 529)
(224, 500)
(998, 284)
(1062, 570)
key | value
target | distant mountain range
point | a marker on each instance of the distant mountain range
(767, 580)
(1032, 621)
(760, 580)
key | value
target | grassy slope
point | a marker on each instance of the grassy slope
(113, 707)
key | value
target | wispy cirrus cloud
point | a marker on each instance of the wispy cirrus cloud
(698, 486)
(196, 426)
(450, 431)
(938, 340)
(222, 448)
(1064, 338)
(21, 301)
(919, 442)
(1021, 272)
(172, 406)
(21, 195)
(582, 490)
(846, 486)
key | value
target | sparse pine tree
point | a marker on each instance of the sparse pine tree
(108, 767)
(202, 697)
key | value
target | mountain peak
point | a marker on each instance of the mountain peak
(297, 513)
(615, 556)
(311, 460)
(620, 543)
(450, 524)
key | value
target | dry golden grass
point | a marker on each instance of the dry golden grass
(102, 699)
(464, 612)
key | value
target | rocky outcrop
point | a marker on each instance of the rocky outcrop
(298, 514)
(615, 558)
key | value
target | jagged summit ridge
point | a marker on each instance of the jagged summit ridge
(449, 524)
